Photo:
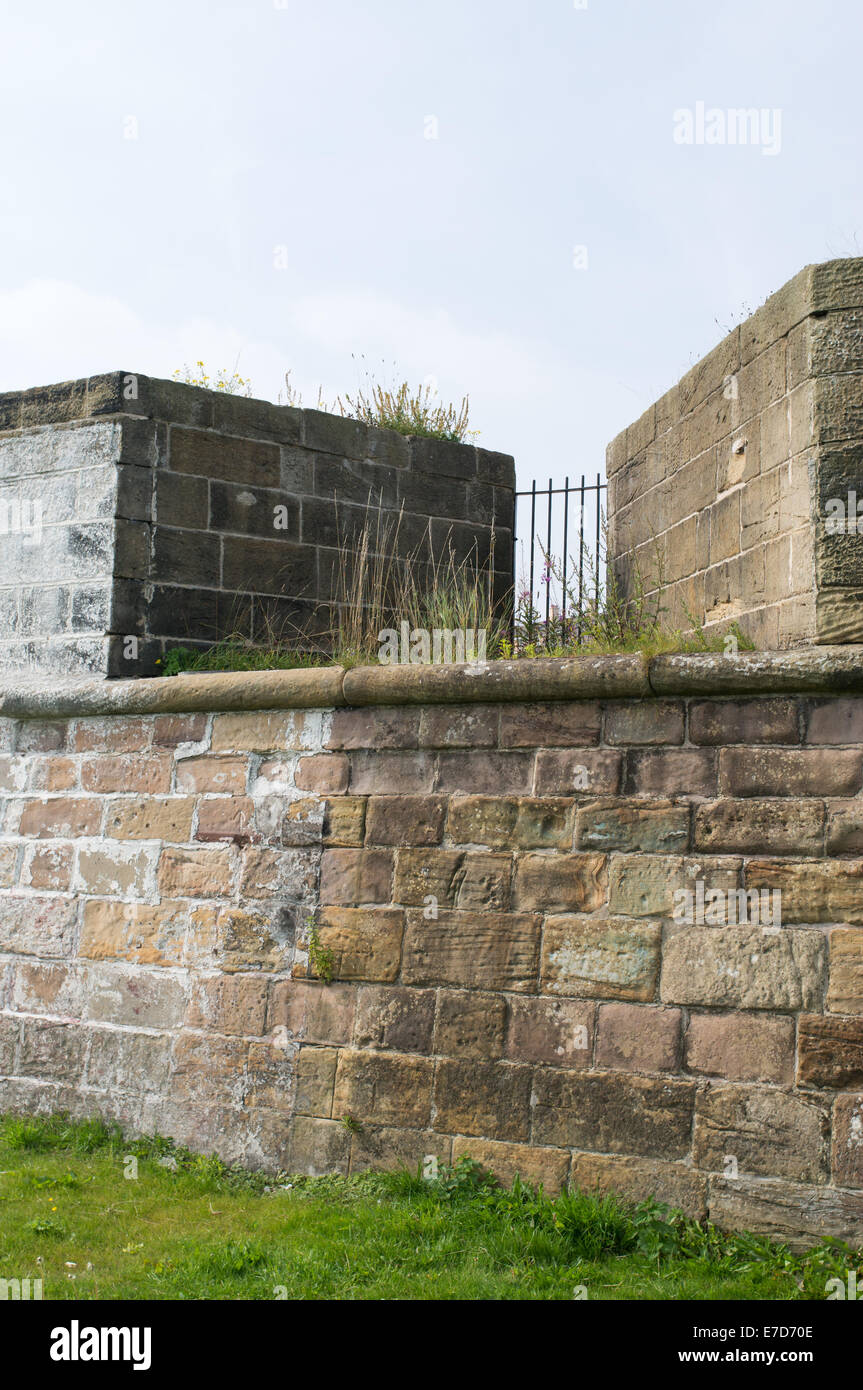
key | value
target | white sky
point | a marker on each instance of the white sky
(262, 125)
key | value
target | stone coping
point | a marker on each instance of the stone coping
(815, 670)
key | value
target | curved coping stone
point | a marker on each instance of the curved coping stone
(572, 678)
(822, 670)
(318, 687)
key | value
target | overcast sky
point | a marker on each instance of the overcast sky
(288, 184)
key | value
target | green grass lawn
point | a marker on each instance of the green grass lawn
(73, 1212)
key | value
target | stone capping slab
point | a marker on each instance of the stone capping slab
(530, 679)
(819, 670)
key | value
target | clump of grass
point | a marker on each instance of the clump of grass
(238, 654)
(601, 618)
(380, 581)
(409, 410)
(43, 1133)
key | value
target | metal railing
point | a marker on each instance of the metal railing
(568, 540)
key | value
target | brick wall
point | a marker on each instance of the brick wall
(170, 514)
(721, 487)
(495, 883)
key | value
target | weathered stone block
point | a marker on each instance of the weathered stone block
(316, 1079)
(769, 1133)
(310, 1012)
(671, 772)
(470, 1024)
(610, 1113)
(601, 958)
(508, 822)
(122, 1061)
(845, 988)
(656, 827)
(65, 818)
(153, 818)
(562, 725)
(766, 720)
(472, 726)
(645, 722)
(741, 1047)
(550, 1032)
(54, 1051)
(324, 773)
(830, 1051)
(384, 1088)
(365, 943)
(646, 885)
(564, 773)
(393, 773)
(483, 772)
(132, 995)
(278, 873)
(491, 1099)
(385, 1149)
(547, 1168)
(490, 950)
(637, 1178)
(405, 820)
(848, 1142)
(790, 772)
(752, 826)
(213, 774)
(351, 877)
(635, 1037)
(318, 1146)
(744, 968)
(142, 933)
(556, 883)
(345, 821)
(195, 873)
(815, 891)
(799, 1214)
(38, 926)
(395, 1018)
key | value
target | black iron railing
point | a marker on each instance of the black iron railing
(563, 556)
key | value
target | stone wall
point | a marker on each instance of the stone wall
(727, 478)
(137, 514)
(490, 857)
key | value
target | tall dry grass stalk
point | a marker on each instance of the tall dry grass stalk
(380, 582)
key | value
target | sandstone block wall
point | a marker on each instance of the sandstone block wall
(728, 476)
(494, 881)
(170, 514)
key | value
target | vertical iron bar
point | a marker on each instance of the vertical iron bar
(532, 543)
(565, 545)
(598, 519)
(547, 571)
(514, 572)
(580, 561)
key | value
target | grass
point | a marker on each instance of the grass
(188, 1227)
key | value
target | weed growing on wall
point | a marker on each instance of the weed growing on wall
(230, 383)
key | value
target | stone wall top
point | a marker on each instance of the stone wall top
(821, 670)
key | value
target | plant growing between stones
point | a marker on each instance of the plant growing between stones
(231, 384)
(320, 958)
